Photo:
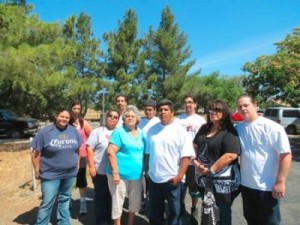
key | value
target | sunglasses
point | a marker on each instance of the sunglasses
(215, 110)
(113, 116)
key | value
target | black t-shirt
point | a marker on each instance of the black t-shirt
(210, 149)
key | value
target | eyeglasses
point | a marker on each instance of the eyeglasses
(188, 102)
(215, 110)
(130, 116)
(113, 116)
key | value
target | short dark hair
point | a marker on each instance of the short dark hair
(126, 100)
(245, 95)
(150, 103)
(190, 96)
(166, 102)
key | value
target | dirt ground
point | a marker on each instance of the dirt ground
(19, 203)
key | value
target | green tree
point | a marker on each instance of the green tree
(126, 62)
(212, 86)
(276, 76)
(41, 68)
(84, 58)
(169, 57)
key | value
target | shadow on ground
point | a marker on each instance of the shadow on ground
(27, 217)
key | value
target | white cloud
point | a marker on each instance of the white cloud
(229, 60)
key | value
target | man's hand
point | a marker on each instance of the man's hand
(278, 190)
(175, 180)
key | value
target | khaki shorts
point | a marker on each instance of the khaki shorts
(126, 188)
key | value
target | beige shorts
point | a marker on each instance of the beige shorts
(126, 188)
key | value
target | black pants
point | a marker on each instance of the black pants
(102, 200)
(260, 208)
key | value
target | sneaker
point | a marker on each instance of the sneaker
(83, 207)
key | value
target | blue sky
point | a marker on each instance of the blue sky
(223, 34)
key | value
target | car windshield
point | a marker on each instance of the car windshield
(9, 115)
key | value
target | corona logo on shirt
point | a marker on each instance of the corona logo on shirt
(63, 141)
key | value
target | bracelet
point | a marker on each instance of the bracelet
(211, 171)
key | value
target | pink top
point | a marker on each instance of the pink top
(84, 138)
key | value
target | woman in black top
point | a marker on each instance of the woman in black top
(217, 149)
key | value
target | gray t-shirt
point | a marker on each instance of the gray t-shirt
(98, 141)
(59, 151)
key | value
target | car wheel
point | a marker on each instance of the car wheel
(15, 134)
(291, 129)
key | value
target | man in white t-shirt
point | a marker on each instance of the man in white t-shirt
(265, 163)
(145, 124)
(169, 150)
(150, 119)
(121, 102)
(192, 122)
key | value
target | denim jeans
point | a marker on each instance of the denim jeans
(260, 208)
(102, 200)
(50, 189)
(158, 193)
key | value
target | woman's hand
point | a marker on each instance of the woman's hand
(201, 167)
(37, 174)
(115, 178)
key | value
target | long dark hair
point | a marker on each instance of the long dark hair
(72, 120)
(226, 123)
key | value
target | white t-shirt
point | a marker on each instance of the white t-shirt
(98, 141)
(145, 124)
(191, 123)
(120, 121)
(166, 145)
(262, 142)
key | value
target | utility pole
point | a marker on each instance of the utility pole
(103, 91)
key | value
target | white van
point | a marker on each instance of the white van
(288, 117)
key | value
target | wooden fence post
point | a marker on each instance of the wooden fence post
(33, 171)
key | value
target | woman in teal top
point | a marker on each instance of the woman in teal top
(126, 155)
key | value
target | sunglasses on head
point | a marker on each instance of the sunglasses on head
(113, 116)
(216, 109)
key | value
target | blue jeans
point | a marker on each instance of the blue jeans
(102, 200)
(158, 193)
(260, 208)
(50, 189)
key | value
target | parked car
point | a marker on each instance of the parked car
(288, 117)
(236, 117)
(14, 126)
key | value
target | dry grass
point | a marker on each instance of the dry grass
(16, 194)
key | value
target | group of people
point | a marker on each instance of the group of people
(159, 157)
